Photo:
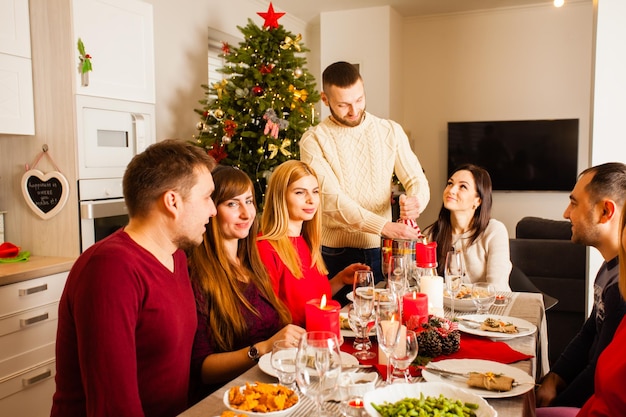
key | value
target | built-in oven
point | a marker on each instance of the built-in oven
(102, 209)
(110, 134)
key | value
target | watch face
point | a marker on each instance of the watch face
(253, 353)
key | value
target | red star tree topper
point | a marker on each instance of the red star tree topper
(271, 17)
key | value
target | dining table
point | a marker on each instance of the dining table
(521, 305)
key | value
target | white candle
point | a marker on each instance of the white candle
(433, 288)
(400, 349)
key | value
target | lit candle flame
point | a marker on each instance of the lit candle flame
(323, 302)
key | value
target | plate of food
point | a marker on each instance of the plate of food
(346, 330)
(379, 294)
(486, 379)
(390, 395)
(494, 326)
(265, 363)
(464, 300)
(260, 399)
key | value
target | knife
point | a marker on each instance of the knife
(443, 372)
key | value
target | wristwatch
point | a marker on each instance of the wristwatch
(253, 353)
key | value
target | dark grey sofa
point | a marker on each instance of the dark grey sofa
(542, 249)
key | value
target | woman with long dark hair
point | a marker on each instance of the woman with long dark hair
(465, 224)
(239, 316)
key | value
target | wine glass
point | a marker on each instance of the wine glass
(388, 325)
(454, 271)
(361, 311)
(396, 280)
(404, 354)
(318, 366)
(361, 320)
(483, 296)
(283, 359)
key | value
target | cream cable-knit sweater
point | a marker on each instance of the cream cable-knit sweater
(488, 258)
(355, 167)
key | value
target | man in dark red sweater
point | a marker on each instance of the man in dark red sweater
(127, 316)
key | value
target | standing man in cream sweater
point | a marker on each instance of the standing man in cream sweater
(355, 155)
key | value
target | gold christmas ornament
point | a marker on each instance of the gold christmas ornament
(297, 72)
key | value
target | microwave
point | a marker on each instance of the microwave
(110, 133)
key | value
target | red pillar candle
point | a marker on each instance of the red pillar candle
(414, 309)
(322, 315)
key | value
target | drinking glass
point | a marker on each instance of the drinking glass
(396, 280)
(318, 366)
(454, 271)
(404, 354)
(283, 359)
(361, 312)
(388, 326)
(361, 321)
(483, 296)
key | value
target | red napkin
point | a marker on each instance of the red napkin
(477, 347)
(472, 347)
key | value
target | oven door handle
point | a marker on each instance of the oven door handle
(102, 208)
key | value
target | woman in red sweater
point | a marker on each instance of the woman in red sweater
(290, 242)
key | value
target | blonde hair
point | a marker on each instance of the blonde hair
(275, 219)
(215, 276)
(622, 255)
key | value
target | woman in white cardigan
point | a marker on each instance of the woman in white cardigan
(465, 224)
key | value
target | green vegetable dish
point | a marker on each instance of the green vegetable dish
(426, 407)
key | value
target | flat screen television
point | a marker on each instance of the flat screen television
(520, 155)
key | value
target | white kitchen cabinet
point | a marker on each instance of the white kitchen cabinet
(118, 35)
(28, 323)
(14, 28)
(17, 115)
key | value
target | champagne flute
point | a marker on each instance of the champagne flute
(318, 366)
(405, 354)
(483, 296)
(454, 271)
(283, 360)
(388, 326)
(396, 280)
(361, 311)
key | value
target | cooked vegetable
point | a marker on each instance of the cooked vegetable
(426, 407)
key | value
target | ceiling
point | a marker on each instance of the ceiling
(309, 10)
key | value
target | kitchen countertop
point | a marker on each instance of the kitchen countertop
(35, 267)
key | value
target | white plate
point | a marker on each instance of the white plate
(350, 295)
(478, 365)
(528, 327)
(460, 304)
(397, 392)
(350, 332)
(265, 362)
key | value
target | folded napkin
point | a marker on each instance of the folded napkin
(490, 381)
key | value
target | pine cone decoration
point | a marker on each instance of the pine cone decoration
(440, 336)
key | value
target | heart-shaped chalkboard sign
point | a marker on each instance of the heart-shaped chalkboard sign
(45, 194)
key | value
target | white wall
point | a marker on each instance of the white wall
(506, 64)
(364, 37)
(181, 33)
(609, 108)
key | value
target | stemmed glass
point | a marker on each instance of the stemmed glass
(388, 326)
(361, 313)
(318, 366)
(283, 359)
(454, 272)
(404, 355)
(396, 280)
(483, 296)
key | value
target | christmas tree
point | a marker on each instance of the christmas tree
(254, 118)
